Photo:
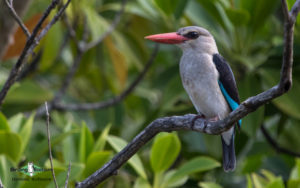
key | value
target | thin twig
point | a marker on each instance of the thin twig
(31, 67)
(285, 9)
(68, 78)
(190, 122)
(17, 18)
(114, 100)
(295, 10)
(275, 145)
(49, 144)
(110, 29)
(30, 45)
(68, 175)
(50, 24)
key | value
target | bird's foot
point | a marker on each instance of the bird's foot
(201, 116)
(214, 119)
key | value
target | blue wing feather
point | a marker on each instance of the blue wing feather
(227, 82)
(233, 104)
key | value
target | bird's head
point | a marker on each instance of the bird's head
(188, 38)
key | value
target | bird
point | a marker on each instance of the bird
(208, 80)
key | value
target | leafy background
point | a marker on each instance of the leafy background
(249, 35)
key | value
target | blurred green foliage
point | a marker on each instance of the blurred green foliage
(249, 35)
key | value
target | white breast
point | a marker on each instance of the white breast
(200, 80)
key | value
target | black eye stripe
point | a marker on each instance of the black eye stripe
(192, 35)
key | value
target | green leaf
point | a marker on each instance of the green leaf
(168, 6)
(298, 167)
(26, 132)
(5, 174)
(258, 181)
(180, 8)
(260, 11)
(43, 175)
(209, 185)
(164, 151)
(3, 123)
(276, 183)
(170, 181)
(70, 149)
(214, 13)
(141, 183)
(42, 147)
(97, 24)
(100, 143)
(51, 43)
(198, 164)
(252, 163)
(268, 175)
(10, 145)
(56, 164)
(238, 16)
(295, 173)
(15, 122)
(249, 182)
(118, 144)
(293, 183)
(28, 94)
(86, 143)
(95, 161)
(289, 103)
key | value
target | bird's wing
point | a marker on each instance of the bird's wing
(227, 82)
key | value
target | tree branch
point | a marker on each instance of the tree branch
(8, 23)
(275, 145)
(295, 10)
(49, 144)
(17, 18)
(30, 45)
(191, 122)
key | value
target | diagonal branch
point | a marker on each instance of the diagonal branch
(112, 101)
(191, 122)
(31, 43)
(17, 18)
(295, 11)
(275, 145)
(8, 23)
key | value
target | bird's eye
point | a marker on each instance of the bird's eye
(192, 35)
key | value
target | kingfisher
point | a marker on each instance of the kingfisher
(208, 80)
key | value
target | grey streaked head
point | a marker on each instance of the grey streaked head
(199, 39)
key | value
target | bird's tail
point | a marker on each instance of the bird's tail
(229, 160)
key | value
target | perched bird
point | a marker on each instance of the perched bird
(208, 80)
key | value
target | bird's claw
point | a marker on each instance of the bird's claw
(214, 119)
(201, 116)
